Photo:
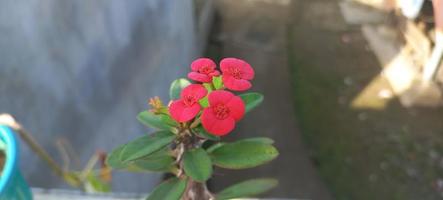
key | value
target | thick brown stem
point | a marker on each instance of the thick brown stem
(194, 190)
(197, 191)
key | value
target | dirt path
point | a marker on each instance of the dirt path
(256, 31)
(365, 143)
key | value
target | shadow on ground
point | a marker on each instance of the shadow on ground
(391, 152)
(256, 31)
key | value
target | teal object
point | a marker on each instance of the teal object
(12, 184)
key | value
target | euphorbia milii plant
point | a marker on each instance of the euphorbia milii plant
(190, 128)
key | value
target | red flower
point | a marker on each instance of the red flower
(187, 107)
(236, 74)
(203, 69)
(224, 110)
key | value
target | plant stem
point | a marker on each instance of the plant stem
(8, 120)
(194, 190)
(197, 191)
(40, 151)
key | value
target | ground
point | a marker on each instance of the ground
(256, 32)
(365, 144)
(348, 126)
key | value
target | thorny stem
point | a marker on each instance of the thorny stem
(180, 152)
(194, 190)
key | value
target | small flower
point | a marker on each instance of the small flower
(187, 107)
(224, 110)
(203, 69)
(236, 74)
(157, 105)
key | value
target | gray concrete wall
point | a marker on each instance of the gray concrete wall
(82, 70)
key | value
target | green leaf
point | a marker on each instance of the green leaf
(251, 100)
(200, 131)
(160, 161)
(171, 189)
(263, 140)
(197, 164)
(146, 145)
(243, 154)
(176, 87)
(215, 146)
(94, 184)
(166, 119)
(217, 81)
(247, 188)
(158, 121)
(113, 159)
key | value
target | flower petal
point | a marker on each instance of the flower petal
(219, 96)
(236, 84)
(214, 73)
(196, 90)
(216, 126)
(195, 76)
(236, 107)
(227, 63)
(182, 113)
(247, 71)
(202, 62)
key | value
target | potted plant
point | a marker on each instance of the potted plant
(187, 143)
(12, 184)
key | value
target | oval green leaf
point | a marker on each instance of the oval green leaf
(159, 161)
(263, 140)
(171, 189)
(158, 121)
(214, 146)
(243, 154)
(197, 164)
(252, 100)
(146, 145)
(176, 87)
(247, 188)
(113, 159)
(201, 132)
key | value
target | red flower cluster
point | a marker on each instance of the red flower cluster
(224, 108)
(203, 69)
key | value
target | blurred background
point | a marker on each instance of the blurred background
(353, 88)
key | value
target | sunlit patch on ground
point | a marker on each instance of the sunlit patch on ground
(366, 143)
(376, 95)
